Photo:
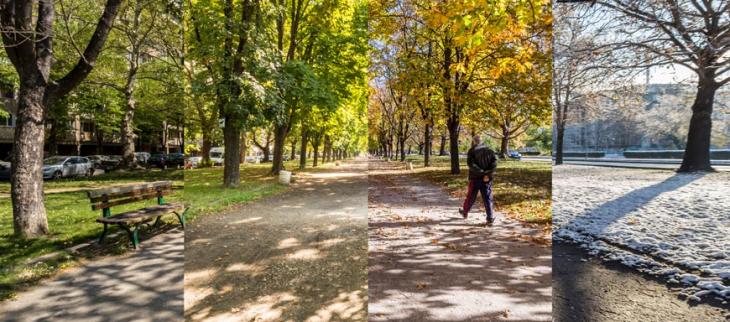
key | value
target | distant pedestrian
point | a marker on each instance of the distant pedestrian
(482, 162)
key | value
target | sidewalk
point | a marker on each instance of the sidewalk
(143, 285)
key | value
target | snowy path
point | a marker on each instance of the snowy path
(660, 222)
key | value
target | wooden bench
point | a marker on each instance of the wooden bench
(106, 198)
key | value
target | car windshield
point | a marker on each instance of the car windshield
(53, 160)
(216, 154)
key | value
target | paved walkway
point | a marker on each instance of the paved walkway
(143, 285)
(429, 264)
(296, 256)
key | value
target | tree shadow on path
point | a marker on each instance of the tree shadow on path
(426, 263)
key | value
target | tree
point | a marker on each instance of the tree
(577, 61)
(692, 34)
(30, 49)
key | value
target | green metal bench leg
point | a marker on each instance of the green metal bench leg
(103, 234)
(133, 235)
(157, 221)
(181, 217)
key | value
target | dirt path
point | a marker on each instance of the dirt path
(297, 256)
(587, 290)
(426, 263)
(144, 285)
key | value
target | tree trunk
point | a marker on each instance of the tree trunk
(29, 214)
(231, 162)
(99, 141)
(560, 134)
(128, 159)
(280, 133)
(453, 125)
(293, 149)
(442, 148)
(315, 147)
(207, 145)
(697, 153)
(427, 146)
(303, 150)
(402, 145)
(504, 146)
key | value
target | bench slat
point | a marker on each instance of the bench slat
(111, 191)
(132, 199)
(141, 214)
(132, 193)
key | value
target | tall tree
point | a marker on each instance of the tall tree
(688, 33)
(28, 42)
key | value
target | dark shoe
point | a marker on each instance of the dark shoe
(490, 221)
(463, 213)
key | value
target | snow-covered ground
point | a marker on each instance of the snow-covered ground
(659, 222)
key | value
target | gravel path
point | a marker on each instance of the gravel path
(587, 290)
(426, 263)
(296, 256)
(144, 285)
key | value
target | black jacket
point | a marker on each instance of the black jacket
(481, 161)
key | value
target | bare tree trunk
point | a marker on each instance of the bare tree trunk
(442, 148)
(697, 153)
(560, 134)
(293, 149)
(504, 144)
(207, 145)
(29, 218)
(53, 137)
(453, 125)
(244, 148)
(303, 150)
(280, 133)
(231, 162)
(427, 141)
(128, 159)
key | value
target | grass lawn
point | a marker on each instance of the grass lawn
(71, 222)
(522, 189)
(204, 192)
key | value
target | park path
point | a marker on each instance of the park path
(426, 263)
(143, 285)
(586, 289)
(295, 256)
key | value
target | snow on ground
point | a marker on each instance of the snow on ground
(659, 222)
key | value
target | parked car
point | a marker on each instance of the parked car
(96, 160)
(164, 161)
(514, 155)
(192, 162)
(216, 155)
(111, 163)
(4, 170)
(63, 167)
(142, 157)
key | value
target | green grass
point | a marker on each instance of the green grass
(522, 189)
(70, 220)
(204, 192)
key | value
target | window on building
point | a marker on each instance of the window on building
(87, 126)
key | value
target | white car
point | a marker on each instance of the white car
(217, 155)
(63, 167)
